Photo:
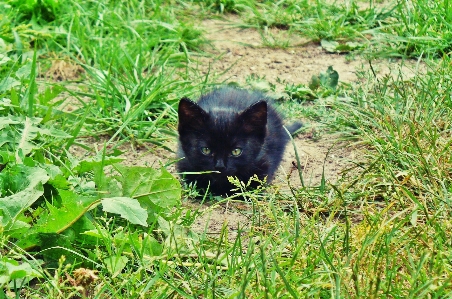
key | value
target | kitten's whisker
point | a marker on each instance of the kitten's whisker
(198, 172)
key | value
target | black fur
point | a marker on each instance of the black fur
(222, 122)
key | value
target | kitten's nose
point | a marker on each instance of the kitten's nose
(219, 165)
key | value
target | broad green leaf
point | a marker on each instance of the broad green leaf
(95, 163)
(24, 71)
(57, 179)
(29, 132)
(8, 83)
(28, 182)
(176, 234)
(330, 79)
(301, 92)
(51, 131)
(4, 59)
(354, 45)
(20, 177)
(98, 233)
(73, 206)
(20, 132)
(18, 227)
(329, 46)
(58, 219)
(143, 243)
(156, 190)
(315, 83)
(11, 270)
(335, 47)
(83, 225)
(6, 137)
(6, 157)
(115, 264)
(5, 103)
(147, 184)
(8, 120)
(128, 208)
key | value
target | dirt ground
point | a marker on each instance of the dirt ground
(238, 53)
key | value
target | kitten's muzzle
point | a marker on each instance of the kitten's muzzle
(219, 165)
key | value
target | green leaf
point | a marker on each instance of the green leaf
(95, 163)
(145, 244)
(29, 132)
(15, 204)
(4, 59)
(8, 83)
(128, 208)
(315, 83)
(49, 94)
(83, 225)
(329, 46)
(24, 71)
(73, 207)
(58, 219)
(329, 79)
(155, 185)
(156, 189)
(20, 132)
(301, 92)
(6, 121)
(5, 137)
(11, 270)
(28, 182)
(335, 47)
(18, 227)
(115, 264)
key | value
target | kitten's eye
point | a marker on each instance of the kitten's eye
(206, 151)
(236, 152)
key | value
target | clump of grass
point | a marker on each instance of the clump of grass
(421, 29)
(320, 20)
(225, 6)
(404, 189)
(408, 125)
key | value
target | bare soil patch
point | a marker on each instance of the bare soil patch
(240, 53)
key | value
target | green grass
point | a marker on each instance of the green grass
(88, 227)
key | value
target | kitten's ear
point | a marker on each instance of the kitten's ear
(190, 115)
(254, 118)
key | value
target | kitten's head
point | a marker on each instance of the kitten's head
(222, 138)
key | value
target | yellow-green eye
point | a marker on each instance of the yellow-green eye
(236, 152)
(205, 151)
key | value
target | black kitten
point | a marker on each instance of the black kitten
(233, 132)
